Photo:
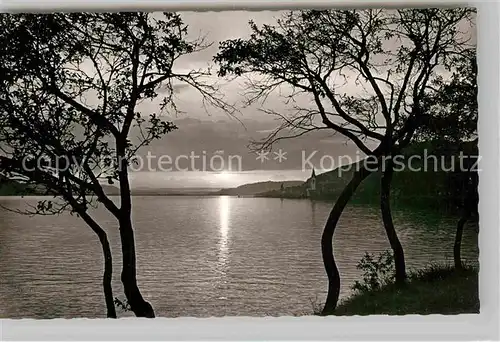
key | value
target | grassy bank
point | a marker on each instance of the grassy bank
(436, 290)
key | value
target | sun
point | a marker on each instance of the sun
(224, 175)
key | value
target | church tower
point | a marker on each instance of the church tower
(312, 181)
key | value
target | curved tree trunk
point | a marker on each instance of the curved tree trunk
(385, 208)
(108, 263)
(327, 240)
(106, 249)
(107, 276)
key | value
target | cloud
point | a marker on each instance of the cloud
(178, 88)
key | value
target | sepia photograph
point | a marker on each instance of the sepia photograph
(314, 162)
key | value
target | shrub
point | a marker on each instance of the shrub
(377, 272)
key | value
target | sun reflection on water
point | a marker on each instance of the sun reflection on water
(223, 230)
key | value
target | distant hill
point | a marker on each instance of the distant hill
(257, 188)
(430, 189)
(10, 187)
(328, 184)
(175, 191)
(243, 190)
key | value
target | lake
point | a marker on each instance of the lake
(203, 256)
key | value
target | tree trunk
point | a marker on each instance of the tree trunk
(385, 208)
(138, 305)
(108, 263)
(470, 210)
(327, 240)
(106, 279)
(458, 240)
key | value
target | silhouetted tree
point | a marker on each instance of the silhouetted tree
(69, 95)
(389, 56)
(452, 127)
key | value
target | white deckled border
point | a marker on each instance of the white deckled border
(384, 328)
(207, 5)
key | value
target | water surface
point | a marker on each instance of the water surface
(202, 256)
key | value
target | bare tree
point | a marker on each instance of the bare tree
(390, 57)
(70, 100)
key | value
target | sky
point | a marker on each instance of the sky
(214, 27)
(206, 134)
(210, 133)
(217, 27)
(220, 26)
(214, 133)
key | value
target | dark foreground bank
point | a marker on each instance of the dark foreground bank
(436, 290)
